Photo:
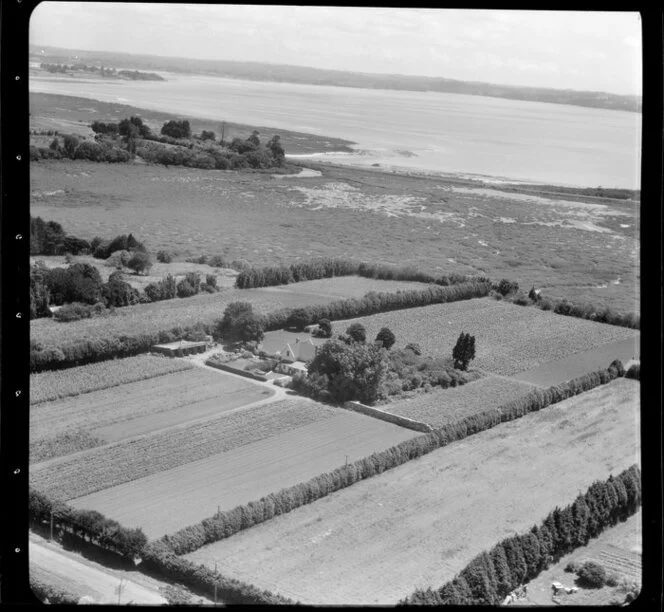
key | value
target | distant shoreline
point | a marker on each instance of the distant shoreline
(281, 73)
(302, 149)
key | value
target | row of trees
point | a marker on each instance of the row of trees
(240, 153)
(509, 290)
(87, 524)
(157, 559)
(226, 523)
(492, 575)
(314, 269)
(87, 351)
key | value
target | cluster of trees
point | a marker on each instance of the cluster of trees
(176, 129)
(49, 238)
(314, 269)
(634, 371)
(73, 147)
(239, 324)
(346, 368)
(87, 524)
(226, 523)
(79, 286)
(103, 249)
(78, 289)
(492, 575)
(408, 370)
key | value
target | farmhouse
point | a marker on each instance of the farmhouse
(300, 351)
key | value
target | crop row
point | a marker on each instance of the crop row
(227, 523)
(49, 386)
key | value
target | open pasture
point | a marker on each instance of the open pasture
(416, 525)
(618, 549)
(57, 384)
(509, 338)
(205, 308)
(100, 468)
(376, 215)
(172, 499)
(442, 406)
(137, 408)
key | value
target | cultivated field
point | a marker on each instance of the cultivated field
(53, 385)
(172, 499)
(575, 244)
(205, 308)
(136, 408)
(560, 370)
(415, 526)
(120, 462)
(442, 406)
(618, 549)
(509, 338)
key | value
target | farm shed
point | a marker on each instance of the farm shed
(180, 349)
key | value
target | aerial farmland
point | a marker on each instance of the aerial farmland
(398, 363)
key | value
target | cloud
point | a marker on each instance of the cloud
(632, 41)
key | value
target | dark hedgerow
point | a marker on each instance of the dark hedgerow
(492, 576)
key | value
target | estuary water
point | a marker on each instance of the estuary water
(483, 137)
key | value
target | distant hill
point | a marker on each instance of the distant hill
(255, 71)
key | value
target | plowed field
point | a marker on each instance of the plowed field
(417, 525)
(136, 408)
(175, 498)
(103, 467)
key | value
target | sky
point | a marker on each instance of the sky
(582, 50)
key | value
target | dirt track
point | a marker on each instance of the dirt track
(57, 566)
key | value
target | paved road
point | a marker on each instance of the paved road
(89, 578)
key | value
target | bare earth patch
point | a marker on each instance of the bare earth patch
(416, 525)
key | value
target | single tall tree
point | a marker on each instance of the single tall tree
(464, 351)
